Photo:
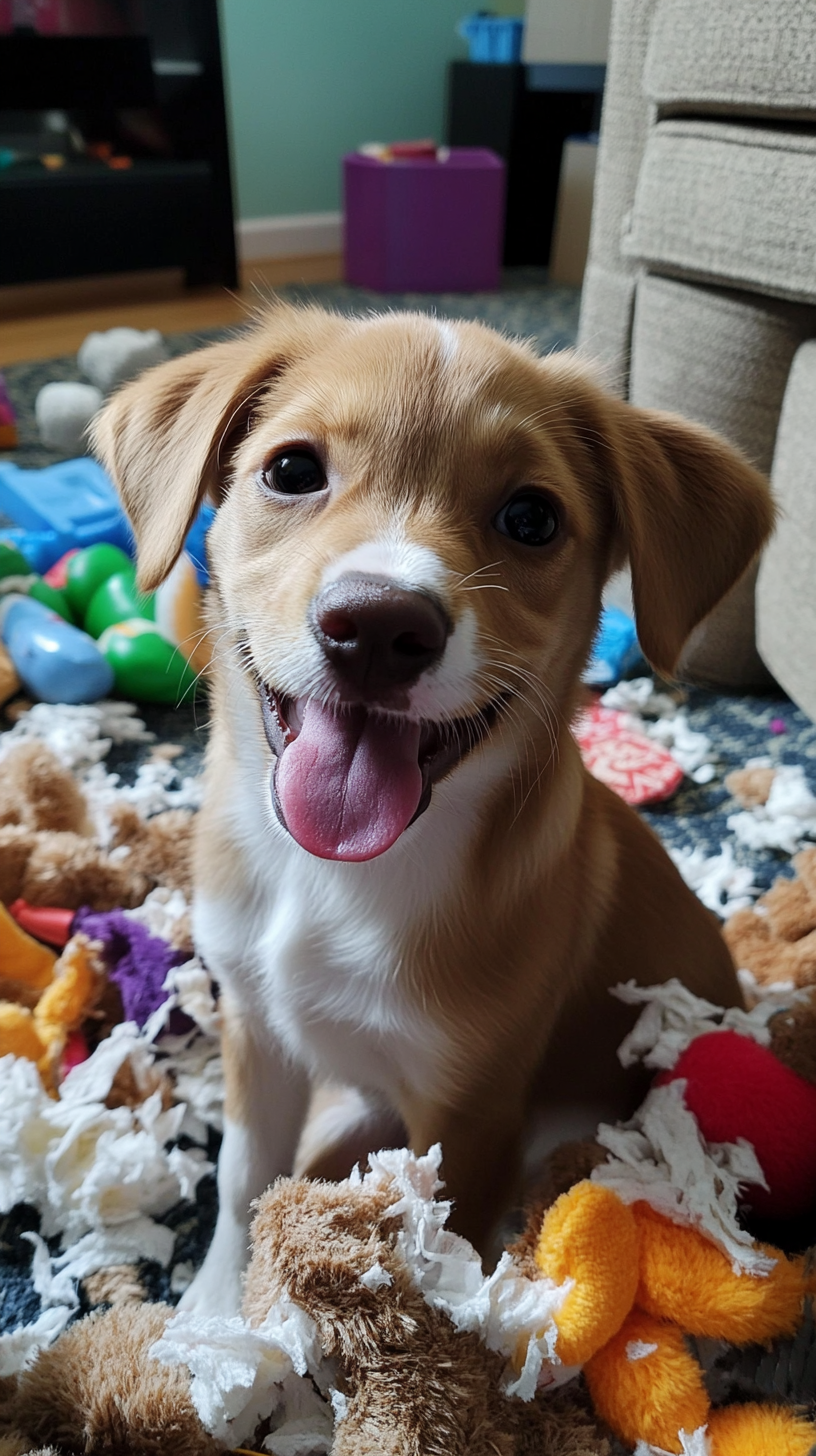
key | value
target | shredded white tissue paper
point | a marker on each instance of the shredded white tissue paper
(19, 1348)
(673, 1017)
(696, 1444)
(239, 1372)
(79, 734)
(660, 718)
(723, 885)
(661, 1157)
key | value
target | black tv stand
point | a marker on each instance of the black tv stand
(163, 197)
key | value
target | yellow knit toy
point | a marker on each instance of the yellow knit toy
(52, 997)
(640, 1283)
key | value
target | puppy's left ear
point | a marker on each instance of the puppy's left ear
(692, 512)
(166, 438)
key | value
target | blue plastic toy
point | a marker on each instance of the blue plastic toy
(194, 545)
(55, 662)
(72, 504)
(492, 38)
(615, 651)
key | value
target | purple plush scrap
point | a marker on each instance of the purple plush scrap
(137, 961)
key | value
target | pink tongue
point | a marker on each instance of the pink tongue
(349, 783)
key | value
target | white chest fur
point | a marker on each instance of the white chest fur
(314, 951)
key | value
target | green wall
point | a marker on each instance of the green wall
(308, 80)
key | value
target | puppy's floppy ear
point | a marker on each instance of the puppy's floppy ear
(693, 514)
(165, 438)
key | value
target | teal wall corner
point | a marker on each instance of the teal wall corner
(308, 80)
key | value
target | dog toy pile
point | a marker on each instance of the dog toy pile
(84, 630)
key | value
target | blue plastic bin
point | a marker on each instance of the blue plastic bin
(492, 38)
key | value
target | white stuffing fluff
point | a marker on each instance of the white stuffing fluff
(98, 1176)
(660, 718)
(673, 1016)
(723, 885)
(504, 1307)
(640, 1350)
(20, 1348)
(660, 1156)
(63, 411)
(111, 357)
(80, 735)
(376, 1277)
(788, 818)
(696, 1444)
(239, 1372)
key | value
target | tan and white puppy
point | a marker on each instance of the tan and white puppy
(406, 881)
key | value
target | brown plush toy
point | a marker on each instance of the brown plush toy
(49, 857)
(776, 940)
(414, 1385)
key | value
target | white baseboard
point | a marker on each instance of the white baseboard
(295, 236)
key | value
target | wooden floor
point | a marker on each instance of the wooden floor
(42, 320)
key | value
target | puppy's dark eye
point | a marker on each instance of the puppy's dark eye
(295, 472)
(529, 518)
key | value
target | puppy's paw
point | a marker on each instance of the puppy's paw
(218, 1286)
(213, 1292)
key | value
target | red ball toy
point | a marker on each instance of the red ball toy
(738, 1089)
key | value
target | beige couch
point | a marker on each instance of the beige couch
(700, 292)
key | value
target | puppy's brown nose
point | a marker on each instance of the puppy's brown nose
(376, 634)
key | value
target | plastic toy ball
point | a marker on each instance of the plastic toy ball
(86, 570)
(145, 664)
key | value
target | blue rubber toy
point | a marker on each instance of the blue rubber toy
(65, 506)
(615, 651)
(56, 663)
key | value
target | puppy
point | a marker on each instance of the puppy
(406, 882)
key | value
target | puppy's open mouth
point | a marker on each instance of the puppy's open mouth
(347, 782)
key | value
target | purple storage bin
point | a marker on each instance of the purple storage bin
(418, 225)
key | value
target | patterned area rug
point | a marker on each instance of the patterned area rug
(698, 825)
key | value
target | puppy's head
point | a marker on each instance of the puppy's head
(416, 521)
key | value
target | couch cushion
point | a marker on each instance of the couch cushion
(724, 360)
(786, 594)
(752, 56)
(728, 204)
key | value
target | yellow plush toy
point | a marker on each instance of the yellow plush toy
(640, 1283)
(47, 997)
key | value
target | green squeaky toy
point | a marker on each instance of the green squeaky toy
(145, 664)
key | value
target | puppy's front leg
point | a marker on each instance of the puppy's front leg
(266, 1101)
(481, 1159)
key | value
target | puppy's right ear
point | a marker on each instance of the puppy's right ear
(166, 437)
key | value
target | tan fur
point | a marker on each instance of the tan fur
(47, 854)
(37, 791)
(563, 890)
(97, 1389)
(776, 940)
(118, 1284)
(415, 1385)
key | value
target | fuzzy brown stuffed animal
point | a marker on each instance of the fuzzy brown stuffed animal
(97, 1389)
(776, 940)
(49, 857)
(414, 1385)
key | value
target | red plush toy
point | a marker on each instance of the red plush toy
(738, 1089)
